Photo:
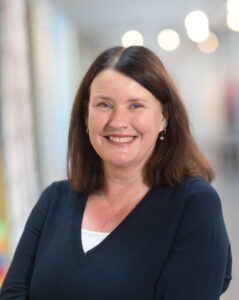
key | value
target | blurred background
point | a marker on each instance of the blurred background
(46, 47)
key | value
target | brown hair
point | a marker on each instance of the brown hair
(173, 159)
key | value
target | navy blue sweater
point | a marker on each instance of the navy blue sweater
(172, 246)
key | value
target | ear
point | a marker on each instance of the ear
(164, 118)
(164, 122)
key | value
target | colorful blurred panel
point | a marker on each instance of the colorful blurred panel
(3, 227)
(3, 251)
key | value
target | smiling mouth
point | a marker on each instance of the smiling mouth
(121, 139)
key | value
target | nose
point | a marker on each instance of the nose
(119, 118)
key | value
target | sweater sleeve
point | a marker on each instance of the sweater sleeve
(17, 281)
(198, 266)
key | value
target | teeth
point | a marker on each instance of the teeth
(120, 140)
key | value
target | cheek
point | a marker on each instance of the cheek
(96, 120)
(143, 120)
(148, 123)
(158, 120)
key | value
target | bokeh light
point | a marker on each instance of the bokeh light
(233, 15)
(233, 22)
(233, 6)
(196, 23)
(132, 38)
(168, 39)
(210, 44)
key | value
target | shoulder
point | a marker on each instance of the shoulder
(195, 192)
(200, 201)
(58, 187)
(200, 193)
(197, 184)
(55, 193)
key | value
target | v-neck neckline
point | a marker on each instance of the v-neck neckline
(80, 205)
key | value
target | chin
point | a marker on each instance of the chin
(120, 162)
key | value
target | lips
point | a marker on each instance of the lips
(117, 139)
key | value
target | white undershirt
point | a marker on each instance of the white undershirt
(90, 238)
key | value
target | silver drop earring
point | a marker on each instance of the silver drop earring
(162, 134)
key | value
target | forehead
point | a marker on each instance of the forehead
(117, 84)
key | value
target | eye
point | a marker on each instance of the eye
(104, 105)
(136, 106)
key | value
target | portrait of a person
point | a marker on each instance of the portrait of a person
(137, 217)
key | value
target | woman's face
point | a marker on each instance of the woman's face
(124, 120)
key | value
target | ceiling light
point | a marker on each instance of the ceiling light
(168, 40)
(196, 23)
(210, 44)
(233, 6)
(233, 22)
(132, 38)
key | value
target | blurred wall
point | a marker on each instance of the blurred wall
(40, 70)
(17, 139)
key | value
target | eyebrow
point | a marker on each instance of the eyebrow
(103, 97)
(129, 100)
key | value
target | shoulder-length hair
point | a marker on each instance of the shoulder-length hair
(173, 159)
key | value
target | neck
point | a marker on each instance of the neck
(123, 186)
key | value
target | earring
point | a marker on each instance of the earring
(162, 134)
(87, 130)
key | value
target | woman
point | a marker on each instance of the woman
(137, 217)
